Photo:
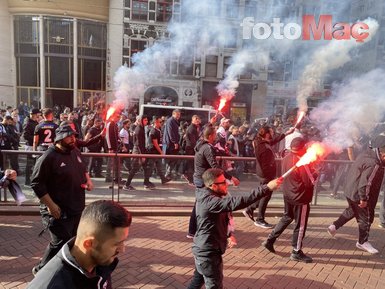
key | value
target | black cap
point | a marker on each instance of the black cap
(64, 131)
(378, 141)
(297, 144)
(35, 111)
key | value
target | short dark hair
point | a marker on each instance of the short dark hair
(47, 111)
(264, 130)
(209, 130)
(210, 175)
(106, 216)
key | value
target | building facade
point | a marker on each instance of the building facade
(56, 52)
(66, 53)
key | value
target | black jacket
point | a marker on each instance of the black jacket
(140, 140)
(171, 133)
(213, 218)
(265, 159)
(204, 159)
(365, 178)
(63, 272)
(298, 186)
(60, 174)
(112, 137)
(29, 130)
(192, 137)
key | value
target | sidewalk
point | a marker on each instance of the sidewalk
(158, 255)
(176, 194)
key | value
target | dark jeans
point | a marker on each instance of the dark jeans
(112, 169)
(60, 230)
(208, 271)
(136, 164)
(171, 163)
(157, 163)
(299, 213)
(192, 226)
(95, 165)
(261, 205)
(364, 217)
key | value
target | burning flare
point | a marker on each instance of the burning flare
(301, 115)
(110, 112)
(317, 151)
(222, 103)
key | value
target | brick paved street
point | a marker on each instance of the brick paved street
(159, 256)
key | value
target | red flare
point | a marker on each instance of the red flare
(110, 112)
(316, 151)
(222, 103)
(301, 115)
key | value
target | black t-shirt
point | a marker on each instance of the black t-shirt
(153, 134)
(46, 132)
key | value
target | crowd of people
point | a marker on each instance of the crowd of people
(84, 241)
(161, 134)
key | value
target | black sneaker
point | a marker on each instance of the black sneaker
(166, 180)
(128, 188)
(149, 186)
(248, 214)
(263, 224)
(35, 270)
(269, 246)
(300, 256)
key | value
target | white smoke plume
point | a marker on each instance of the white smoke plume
(332, 56)
(239, 63)
(352, 111)
(198, 32)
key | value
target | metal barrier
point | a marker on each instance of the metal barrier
(118, 157)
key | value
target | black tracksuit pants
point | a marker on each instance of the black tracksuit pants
(261, 204)
(364, 217)
(299, 213)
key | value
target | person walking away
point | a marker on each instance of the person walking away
(362, 189)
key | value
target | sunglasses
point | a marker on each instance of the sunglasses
(220, 183)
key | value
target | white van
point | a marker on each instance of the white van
(151, 110)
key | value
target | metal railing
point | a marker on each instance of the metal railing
(115, 189)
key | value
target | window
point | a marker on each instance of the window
(232, 9)
(26, 35)
(139, 10)
(231, 38)
(91, 74)
(226, 63)
(136, 45)
(164, 11)
(211, 65)
(62, 79)
(127, 9)
(151, 10)
(28, 71)
(250, 8)
(186, 65)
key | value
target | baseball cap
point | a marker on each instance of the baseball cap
(35, 111)
(297, 144)
(378, 141)
(64, 131)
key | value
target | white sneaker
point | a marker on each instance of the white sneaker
(367, 247)
(332, 230)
